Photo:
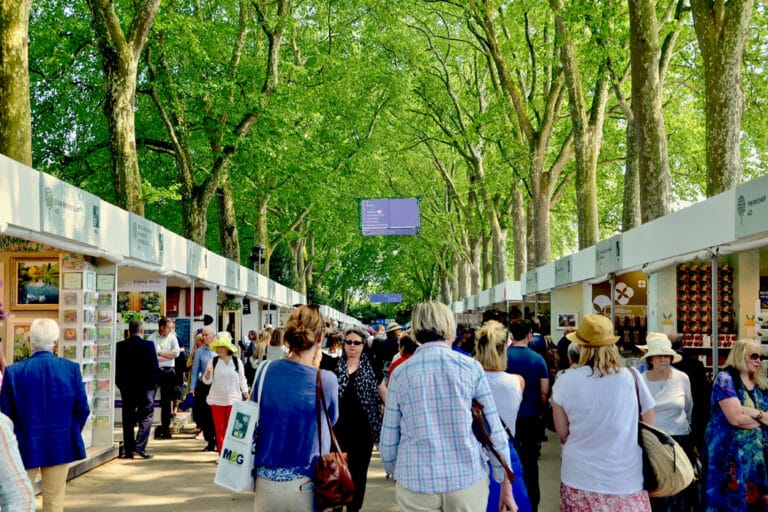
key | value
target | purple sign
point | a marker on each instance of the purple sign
(387, 297)
(389, 216)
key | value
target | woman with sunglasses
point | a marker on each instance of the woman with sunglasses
(361, 395)
(736, 473)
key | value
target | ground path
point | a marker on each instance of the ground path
(180, 479)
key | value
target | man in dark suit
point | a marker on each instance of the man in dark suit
(45, 398)
(136, 375)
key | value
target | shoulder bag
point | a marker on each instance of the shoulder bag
(333, 481)
(480, 428)
(666, 468)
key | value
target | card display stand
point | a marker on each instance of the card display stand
(87, 319)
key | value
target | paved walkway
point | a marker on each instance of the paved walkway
(180, 479)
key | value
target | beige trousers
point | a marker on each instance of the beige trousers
(470, 499)
(54, 483)
(292, 496)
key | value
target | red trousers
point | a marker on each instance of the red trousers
(220, 415)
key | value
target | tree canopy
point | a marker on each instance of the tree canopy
(526, 129)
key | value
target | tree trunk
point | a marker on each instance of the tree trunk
(499, 236)
(541, 204)
(230, 240)
(650, 133)
(519, 232)
(15, 117)
(722, 29)
(119, 59)
(263, 234)
(475, 248)
(630, 215)
(301, 265)
(195, 221)
(587, 131)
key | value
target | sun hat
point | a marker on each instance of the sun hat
(394, 326)
(594, 331)
(658, 344)
(224, 339)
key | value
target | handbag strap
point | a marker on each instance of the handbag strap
(637, 394)
(321, 400)
(478, 417)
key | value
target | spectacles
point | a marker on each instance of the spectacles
(352, 342)
(754, 356)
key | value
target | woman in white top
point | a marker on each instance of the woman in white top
(507, 391)
(595, 410)
(671, 390)
(226, 377)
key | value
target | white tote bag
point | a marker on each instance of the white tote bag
(235, 469)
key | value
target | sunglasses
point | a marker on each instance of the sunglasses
(754, 356)
(352, 342)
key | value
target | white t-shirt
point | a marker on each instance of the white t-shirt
(601, 453)
(227, 385)
(507, 394)
(673, 403)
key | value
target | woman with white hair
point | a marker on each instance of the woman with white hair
(45, 398)
(445, 469)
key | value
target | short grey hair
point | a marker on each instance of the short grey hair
(43, 334)
(574, 352)
(358, 331)
(433, 321)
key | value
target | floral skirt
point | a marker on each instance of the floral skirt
(576, 500)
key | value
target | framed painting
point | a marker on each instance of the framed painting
(565, 320)
(35, 283)
(21, 346)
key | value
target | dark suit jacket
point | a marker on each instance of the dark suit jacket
(136, 369)
(45, 397)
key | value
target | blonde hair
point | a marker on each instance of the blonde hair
(604, 360)
(738, 359)
(433, 321)
(304, 328)
(491, 350)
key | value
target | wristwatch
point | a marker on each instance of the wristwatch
(757, 417)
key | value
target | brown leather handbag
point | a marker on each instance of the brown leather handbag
(333, 481)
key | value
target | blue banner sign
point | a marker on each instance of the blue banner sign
(386, 297)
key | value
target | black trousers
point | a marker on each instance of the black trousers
(528, 436)
(138, 407)
(201, 412)
(167, 395)
(359, 448)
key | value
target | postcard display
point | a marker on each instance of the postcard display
(87, 316)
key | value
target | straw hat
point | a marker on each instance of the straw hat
(658, 344)
(224, 339)
(394, 326)
(594, 331)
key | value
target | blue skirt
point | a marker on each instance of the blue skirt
(518, 486)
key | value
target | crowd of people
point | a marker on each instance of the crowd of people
(411, 392)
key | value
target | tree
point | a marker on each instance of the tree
(650, 135)
(120, 55)
(15, 114)
(722, 28)
(587, 126)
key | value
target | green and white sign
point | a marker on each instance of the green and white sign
(609, 255)
(68, 212)
(233, 275)
(752, 207)
(563, 271)
(531, 282)
(145, 240)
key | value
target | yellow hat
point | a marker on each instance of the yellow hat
(594, 331)
(224, 339)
